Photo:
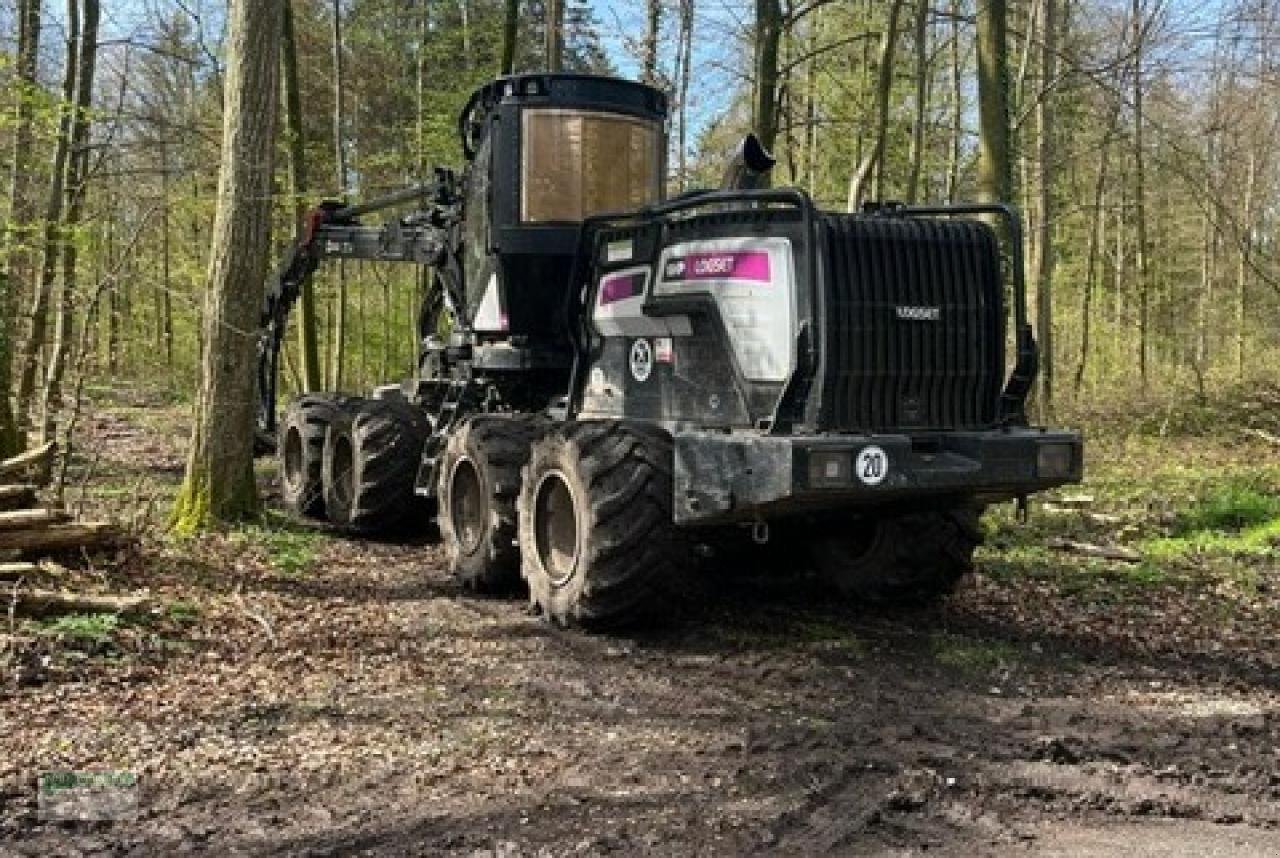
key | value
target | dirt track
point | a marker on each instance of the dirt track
(414, 721)
(358, 703)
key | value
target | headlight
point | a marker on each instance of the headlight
(1054, 460)
(828, 468)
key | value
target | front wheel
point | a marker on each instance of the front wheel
(907, 559)
(599, 546)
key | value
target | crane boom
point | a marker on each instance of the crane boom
(427, 236)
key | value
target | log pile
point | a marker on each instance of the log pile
(32, 535)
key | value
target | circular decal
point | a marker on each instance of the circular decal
(872, 465)
(641, 360)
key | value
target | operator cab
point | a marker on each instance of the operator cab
(545, 151)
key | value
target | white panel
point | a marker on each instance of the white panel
(489, 316)
(752, 281)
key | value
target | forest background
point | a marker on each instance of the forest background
(1141, 150)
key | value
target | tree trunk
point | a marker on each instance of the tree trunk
(464, 14)
(338, 341)
(921, 39)
(308, 346)
(1095, 249)
(884, 85)
(166, 251)
(811, 106)
(1140, 200)
(1044, 204)
(555, 35)
(219, 483)
(649, 53)
(29, 358)
(768, 36)
(77, 175)
(510, 31)
(15, 279)
(995, 178)
(1245, 260)
(424, 34)
(957, 107)
(686, 62)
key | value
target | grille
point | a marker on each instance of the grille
(915, 323)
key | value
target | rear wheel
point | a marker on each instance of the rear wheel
(371, 462)
(479, 485)
(907, 559)
(300, 450)
(599, 544)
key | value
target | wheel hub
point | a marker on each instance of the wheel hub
(555, 520)
(466, 505)
(292, 457)
(343, 465)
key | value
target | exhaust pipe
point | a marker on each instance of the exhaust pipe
(748, 167)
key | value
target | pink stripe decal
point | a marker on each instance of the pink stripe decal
(733, 265)
(620, 287)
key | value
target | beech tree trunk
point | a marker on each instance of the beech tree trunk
(649, 53)
(1140, 199)
(77, 174)
(768, 37)
(1044, 203)
(870, 164)
(219, 484)
(921, 39)
(15, 279)
(1244, 260)
(29, 358)
(957, 106)
(338, 334)
(555, 35)
(510, 31)
(995, 176)
(686, 42)
(308, 345)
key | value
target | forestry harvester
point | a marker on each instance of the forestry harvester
(610, 382)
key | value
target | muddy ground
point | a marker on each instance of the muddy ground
(298, 694)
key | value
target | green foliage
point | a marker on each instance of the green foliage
(287, 547)
(972, 655)
(1231, 507)
(182, 611)
(87, 628)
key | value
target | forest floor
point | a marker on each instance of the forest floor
(295, 693)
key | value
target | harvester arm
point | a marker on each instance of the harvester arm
(424, 236)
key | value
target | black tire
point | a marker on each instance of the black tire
(371, 458)
(599, 545)
(479, 485)
(909, 559)
(300, 451)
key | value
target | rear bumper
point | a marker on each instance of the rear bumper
(725, 478)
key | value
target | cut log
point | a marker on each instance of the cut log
(1072, 501)
(46, 603)
(59, 537)
(20, 569)
(21, 519)
(24, 569)
(1106, 552)
(37, 460)
(18, 496)
(1265, 436)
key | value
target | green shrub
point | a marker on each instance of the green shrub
(1232, 507)
(97, 628)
